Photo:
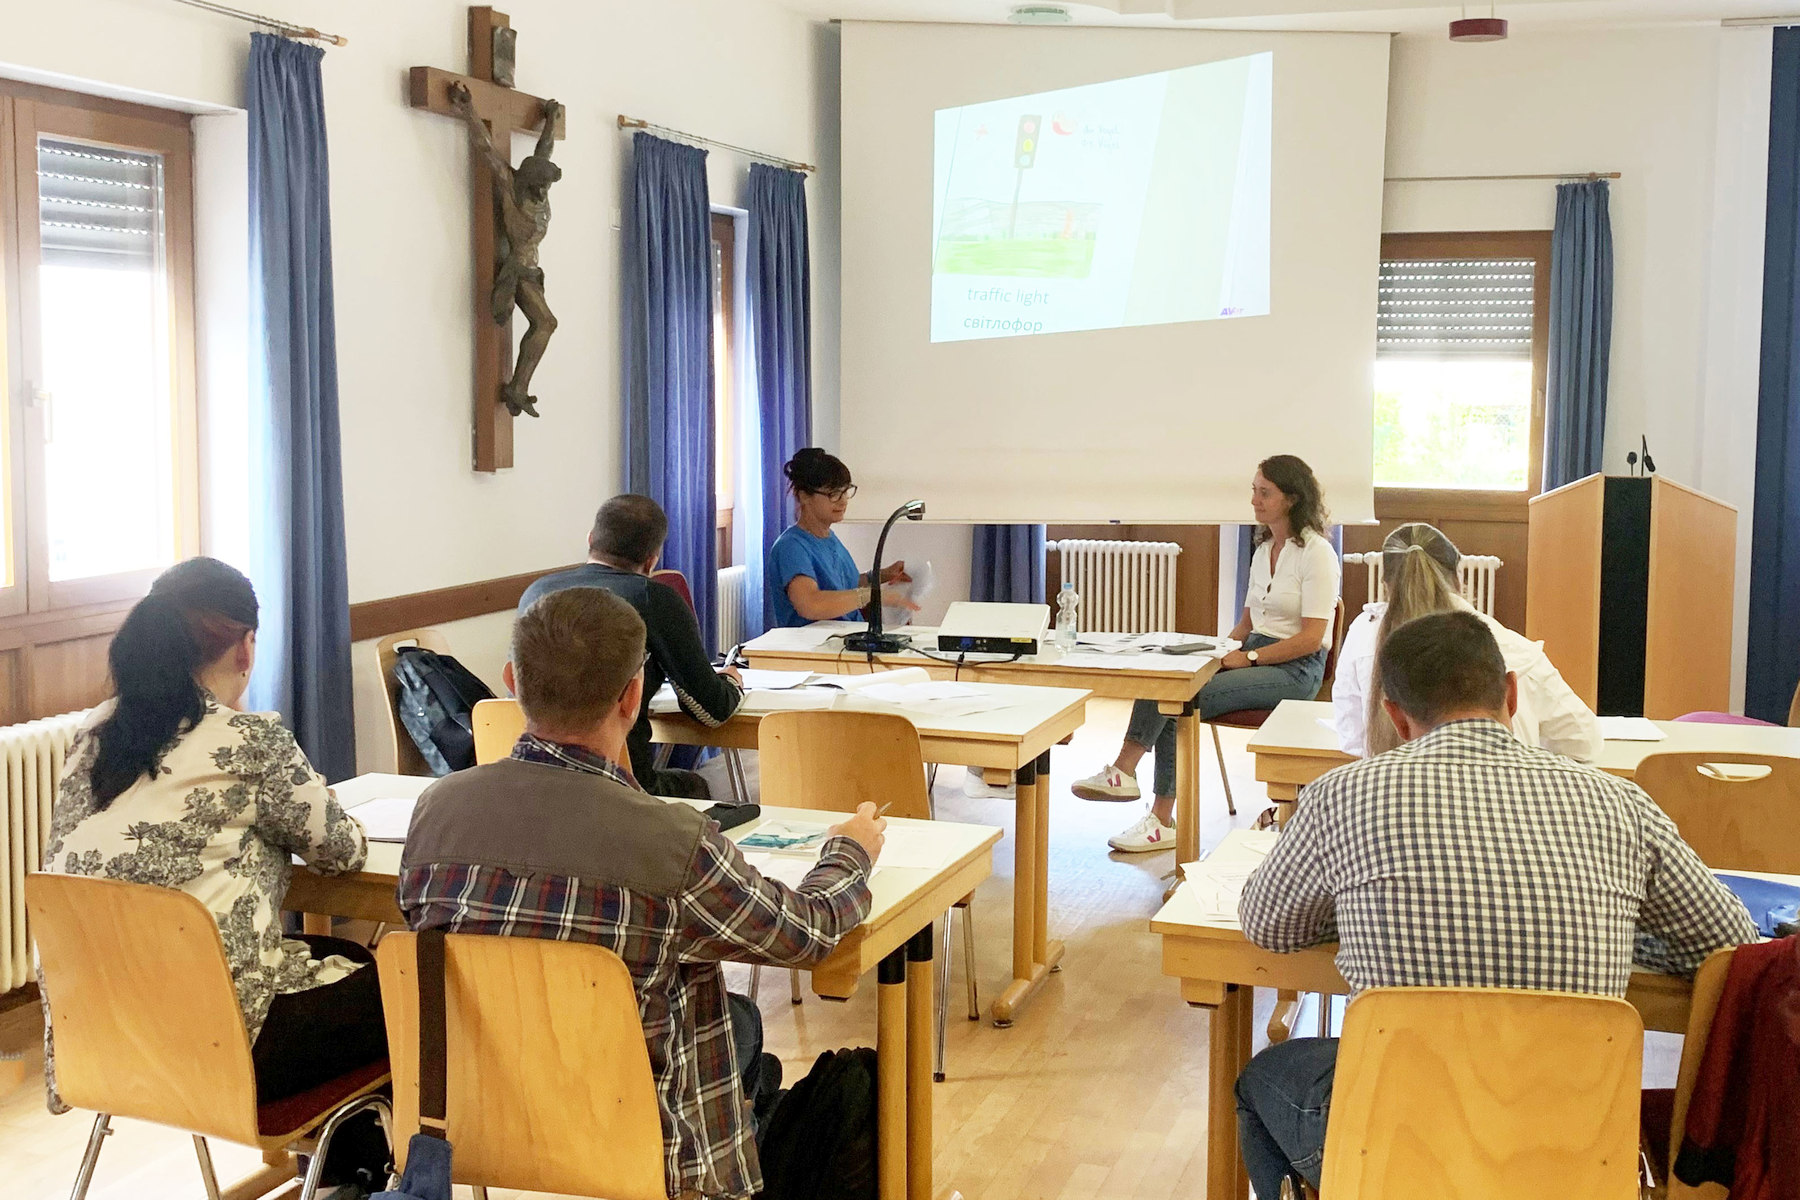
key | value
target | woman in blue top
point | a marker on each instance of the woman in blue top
(811, 576)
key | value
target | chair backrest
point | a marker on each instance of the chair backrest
(1709, 985)
(679, 582)
(142, 1005)
(1483, 1094)
(1733, 822)
(407, 759)
(1336, 646)
(1794, 709)
(548, 1083)
(498, 724)
(833, 760)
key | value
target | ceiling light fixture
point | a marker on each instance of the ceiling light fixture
(1039, 14)
(1478, 29)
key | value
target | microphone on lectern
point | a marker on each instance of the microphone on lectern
(873, 640)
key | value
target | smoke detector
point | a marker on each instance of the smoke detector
(1039, 14)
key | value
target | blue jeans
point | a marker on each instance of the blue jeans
(1227, 691)
(1283, 1101)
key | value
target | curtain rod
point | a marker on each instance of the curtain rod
(626, 122)
(284, 27)
(1590, 176)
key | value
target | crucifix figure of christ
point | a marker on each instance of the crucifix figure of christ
(510, 214)
(521, 218)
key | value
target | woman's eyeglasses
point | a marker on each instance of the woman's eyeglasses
(836, 494)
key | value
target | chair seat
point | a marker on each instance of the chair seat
(1243, 718)
(286, 1119)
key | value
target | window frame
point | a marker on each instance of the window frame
(1481, 503)
(26, 112)
(724, 235)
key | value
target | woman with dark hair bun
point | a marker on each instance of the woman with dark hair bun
(810, 574)
(170, 784)
(1286, 625)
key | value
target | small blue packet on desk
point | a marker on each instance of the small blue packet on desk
(1775, 907)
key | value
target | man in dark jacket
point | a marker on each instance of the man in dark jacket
(623, 548)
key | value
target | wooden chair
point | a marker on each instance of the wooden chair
(1253, 718)
(548, 1083)
(835, 761)
(147, 1026)
(407, 759)
(1733, 822)
(498, 724)
(1483, 1095)
(1659, 1106)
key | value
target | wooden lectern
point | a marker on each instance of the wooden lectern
(1629, 587)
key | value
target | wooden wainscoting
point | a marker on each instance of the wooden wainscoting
(378, 618)
(1196, 571)
(55, 662)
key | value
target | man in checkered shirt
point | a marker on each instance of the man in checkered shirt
(558, 841)
(1463, 858)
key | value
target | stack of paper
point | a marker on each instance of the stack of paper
(1217, 881)
(385, 819)
(934, 698)
(1630, 729)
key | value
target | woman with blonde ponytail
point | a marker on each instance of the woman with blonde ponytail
(1418, 566)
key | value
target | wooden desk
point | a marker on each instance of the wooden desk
(1219, 969)
(1016, 740)
(895, 942)
(1293, 748)
(1171, 681)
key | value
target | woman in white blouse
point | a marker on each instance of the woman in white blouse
(1418, 565)
(170, 784)
(1284, 631)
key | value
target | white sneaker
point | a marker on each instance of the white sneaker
(1148, 834)
(1108, 783)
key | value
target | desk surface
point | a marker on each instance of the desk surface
(902, 896)
(820, 647)
(1304, 729)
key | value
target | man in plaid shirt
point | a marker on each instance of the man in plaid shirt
(559, 842)
(1463, 858)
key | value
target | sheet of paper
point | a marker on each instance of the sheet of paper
(790, 869)
(934, 698)
(875, 679)
(386, 818)
(806, 637)
(1217, 881)
(1630, 729)
(772, 681)
(915, 847)
(791, 700)
(924, 582)
(785, 837)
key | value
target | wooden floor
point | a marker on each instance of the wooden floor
(1098, 1090)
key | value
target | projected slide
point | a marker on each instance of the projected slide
(1142, 201)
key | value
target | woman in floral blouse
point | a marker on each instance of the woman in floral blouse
(169, 784)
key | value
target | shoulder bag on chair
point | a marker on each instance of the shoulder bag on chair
(428, 1153)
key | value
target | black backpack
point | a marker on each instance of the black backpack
(821, 1140)
(436, 700)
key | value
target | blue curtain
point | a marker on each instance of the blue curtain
(1581, 287)
(1774, 666)
(669, 441)
(1007, 564)
(297, 554)
(780, 311)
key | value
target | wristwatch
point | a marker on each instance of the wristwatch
(1250, 654)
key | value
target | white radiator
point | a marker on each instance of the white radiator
(31, 764)
(1125, 587)
(732, 613)
(1474, 577)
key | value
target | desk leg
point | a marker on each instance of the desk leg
(1226, 1178)
(1187, 792)
(891, 1066)
(921, 1022)
(1033, 954)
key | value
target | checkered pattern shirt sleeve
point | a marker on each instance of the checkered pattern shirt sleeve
(732, 911)
(1466, 859)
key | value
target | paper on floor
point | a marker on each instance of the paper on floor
(386, 818)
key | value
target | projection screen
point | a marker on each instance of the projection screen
(1097, 274)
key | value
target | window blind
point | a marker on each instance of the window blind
(1456, 308)
(98, 207)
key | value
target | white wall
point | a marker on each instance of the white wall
(748, 72)
(1682, 113)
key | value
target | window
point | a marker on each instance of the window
(100, 462)
(724, 252)
(1460, 340)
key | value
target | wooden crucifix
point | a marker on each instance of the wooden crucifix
(511, 213)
